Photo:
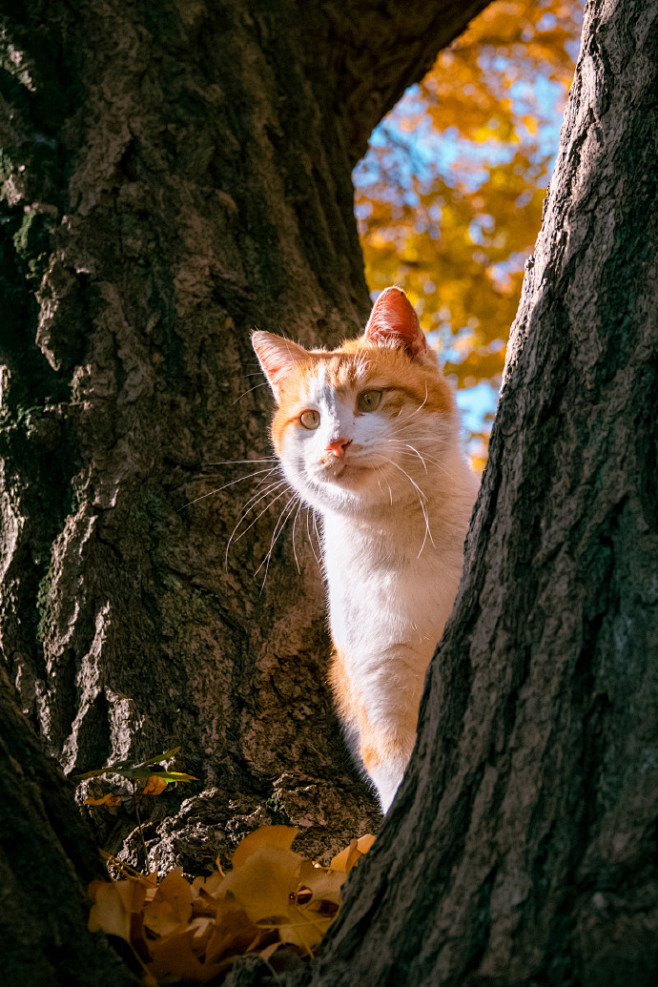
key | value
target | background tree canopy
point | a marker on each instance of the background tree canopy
(449, 196)
(173, 176)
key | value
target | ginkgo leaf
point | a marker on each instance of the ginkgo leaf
(114, 906)
(174, 958)
(276, 837)
(208, 885)
(304, 929)
(350, 856)
(233, 933)
(194, 932)
(155, 785)
(110, 799)
(264, 882)
(171, 906)
(324, 884)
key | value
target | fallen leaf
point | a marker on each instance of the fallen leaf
(277, 837)
(114, 904)
(174, 957)
(350, 856)
(193, 932)
(323, 883)
(233, 934)
(265, 881)
(208, 885)
(109, 799)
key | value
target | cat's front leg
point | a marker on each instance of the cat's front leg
(380, 730)
(385, 755)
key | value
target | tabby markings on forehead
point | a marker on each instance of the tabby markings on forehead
(336, 376)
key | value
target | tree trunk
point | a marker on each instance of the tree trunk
(174, 176)
(46, 853)
(522, 846)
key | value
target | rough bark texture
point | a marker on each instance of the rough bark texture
(46, 853)
(175, 175)
(522, 846)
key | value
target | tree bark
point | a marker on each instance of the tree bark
(174, 176)
(46, 853)
(522, 846)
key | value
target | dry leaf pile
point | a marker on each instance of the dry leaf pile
(192, 932)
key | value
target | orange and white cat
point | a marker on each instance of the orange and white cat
(368, 435)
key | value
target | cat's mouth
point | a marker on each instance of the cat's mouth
(344, 471)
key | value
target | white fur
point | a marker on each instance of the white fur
(395, 510)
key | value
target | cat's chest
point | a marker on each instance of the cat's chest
(383, 591)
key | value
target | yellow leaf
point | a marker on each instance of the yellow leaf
(269, 951)
(277, 837)
(174, 957)
(154, 785)
(324, 884)
(531, 124)
(364, 843)
(264, 882)
(350, 856)
(109, 799)
(233, 933)
(114, 904)
(208, 885)
(304, 929)
(171, 907)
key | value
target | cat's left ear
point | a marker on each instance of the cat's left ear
(278, 357)
(393, 322)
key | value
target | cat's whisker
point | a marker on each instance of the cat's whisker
(244, 394)
(243, 462)
(294, 547)
(278, 528)
(421, 406)
(414, 450)
(260, 495)
(269, 490)
(232, 483)
(308, 533)
(422, 500)
(439, 466)
(379, 483)
(436, 464)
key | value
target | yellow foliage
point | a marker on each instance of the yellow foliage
(449, 199)
(195, 931)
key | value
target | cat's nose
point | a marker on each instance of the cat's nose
(338, 446)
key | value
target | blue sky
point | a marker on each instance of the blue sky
(421, 152)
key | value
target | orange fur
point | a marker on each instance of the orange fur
(375, 746)
(368, 436)
(383, 366)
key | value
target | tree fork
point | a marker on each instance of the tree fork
(522, 846)
(174, 176)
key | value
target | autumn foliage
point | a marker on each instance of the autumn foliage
(449, 202)
(449, 197)
(272, 899)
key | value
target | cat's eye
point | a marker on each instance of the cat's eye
(368, 400)
(310, 419)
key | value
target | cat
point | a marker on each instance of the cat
(368, 436)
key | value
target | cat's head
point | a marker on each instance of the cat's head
(365, 425)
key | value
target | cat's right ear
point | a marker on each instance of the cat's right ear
(278, 357)
(393, 322)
